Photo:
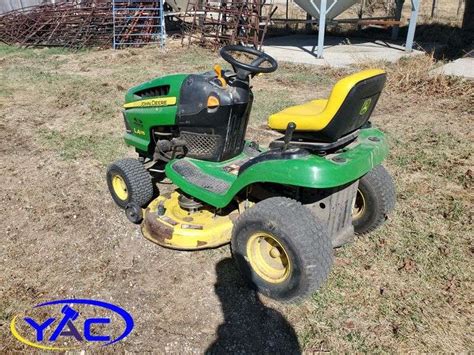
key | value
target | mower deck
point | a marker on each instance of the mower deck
(171, 226)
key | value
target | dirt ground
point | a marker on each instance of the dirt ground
(406, 287)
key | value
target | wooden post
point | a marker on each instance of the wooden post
(308, 26)
(398, 16)
(468, 18)
(434, 7)
(361, 13)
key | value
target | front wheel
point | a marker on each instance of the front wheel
(375, 199)
(281, 249)
(129, 183)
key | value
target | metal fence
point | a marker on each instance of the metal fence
(138, 22)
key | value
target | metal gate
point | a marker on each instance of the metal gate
(137, 23)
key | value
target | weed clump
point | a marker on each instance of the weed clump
(417, 76)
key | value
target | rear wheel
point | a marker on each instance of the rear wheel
(129, 183)
(375, 199)
(281, 249)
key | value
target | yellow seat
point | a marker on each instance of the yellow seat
(346, 96)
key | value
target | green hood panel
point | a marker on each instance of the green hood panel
(311, 171)
(174, 81)
(140, 120)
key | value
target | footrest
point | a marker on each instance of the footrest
(195, 176)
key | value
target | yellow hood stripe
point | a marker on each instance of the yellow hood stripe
(157, 102)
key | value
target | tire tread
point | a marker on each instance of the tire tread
(141, 186)
(381, 181)
(311, 237)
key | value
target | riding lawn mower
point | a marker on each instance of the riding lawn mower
(284, 207)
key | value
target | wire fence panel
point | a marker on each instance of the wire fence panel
(86, 23)
(138, 22)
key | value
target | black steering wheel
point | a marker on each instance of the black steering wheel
(254, 67)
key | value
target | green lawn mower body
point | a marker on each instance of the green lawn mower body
(323, 176)
(159, 115)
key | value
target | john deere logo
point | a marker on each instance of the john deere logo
(365, 106)
(166, 101)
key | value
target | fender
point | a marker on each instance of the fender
(312, 171)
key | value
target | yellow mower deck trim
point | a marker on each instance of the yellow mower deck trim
(316, 115)
(178, 229)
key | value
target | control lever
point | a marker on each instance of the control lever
(288, 135)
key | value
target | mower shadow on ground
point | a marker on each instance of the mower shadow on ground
(249, 326)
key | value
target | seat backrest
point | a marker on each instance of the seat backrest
(352, 101)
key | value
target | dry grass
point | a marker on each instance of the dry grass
(406, 287)
(415, 76)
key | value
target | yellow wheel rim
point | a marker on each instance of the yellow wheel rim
(359, 206)
(120, 187)
(268, 258)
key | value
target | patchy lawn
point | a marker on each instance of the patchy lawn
(406, 287)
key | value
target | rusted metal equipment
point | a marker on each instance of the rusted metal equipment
(216, 23)
(85, 23)
(73, 24)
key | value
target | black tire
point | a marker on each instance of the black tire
(139, 187)
(305, 241)
(376, 193)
